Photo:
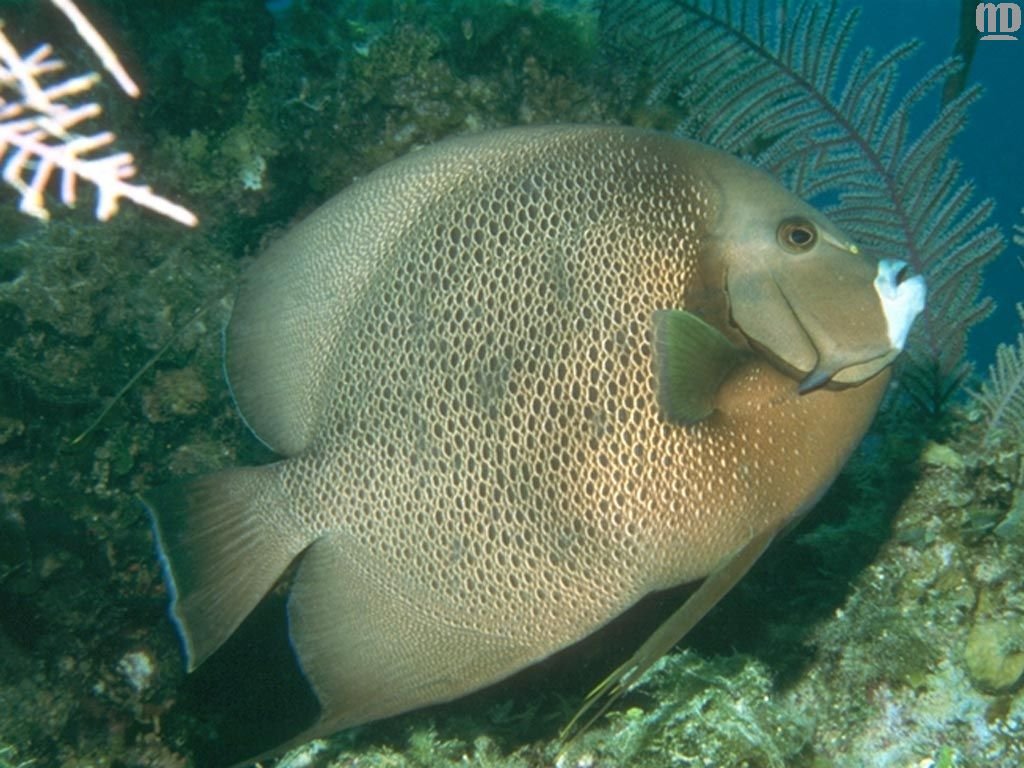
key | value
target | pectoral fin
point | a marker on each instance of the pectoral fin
(714, 587)
(691, 359)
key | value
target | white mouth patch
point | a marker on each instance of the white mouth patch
(902, 300)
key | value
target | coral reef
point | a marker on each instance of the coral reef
(884, 631)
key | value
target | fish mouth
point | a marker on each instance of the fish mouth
(902, 297)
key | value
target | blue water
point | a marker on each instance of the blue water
(991, 147)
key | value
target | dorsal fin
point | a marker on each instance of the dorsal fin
(282, 336)
(294, 302)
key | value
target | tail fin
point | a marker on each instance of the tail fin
(220, 551)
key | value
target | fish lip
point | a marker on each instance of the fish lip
(816, 379)
(822, 375)
(902, 299)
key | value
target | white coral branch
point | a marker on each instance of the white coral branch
(38, 137)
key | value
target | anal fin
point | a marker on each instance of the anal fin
(374, 645)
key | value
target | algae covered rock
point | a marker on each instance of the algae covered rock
(994, 654)
(943, 456)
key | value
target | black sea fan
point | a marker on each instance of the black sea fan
(775, 83)
(1001, 396)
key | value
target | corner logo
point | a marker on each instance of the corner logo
(997, 21)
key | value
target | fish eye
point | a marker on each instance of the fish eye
(797, 235)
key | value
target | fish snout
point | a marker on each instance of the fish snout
(903, 297)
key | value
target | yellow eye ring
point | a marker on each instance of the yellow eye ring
(797, 235)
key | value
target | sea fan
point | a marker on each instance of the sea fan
(780, 89)
(1001, 397)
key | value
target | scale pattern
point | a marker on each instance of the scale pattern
(491, 433)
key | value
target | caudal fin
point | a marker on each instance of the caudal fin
(220, 551)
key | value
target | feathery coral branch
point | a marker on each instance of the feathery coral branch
(38, 137)
(1001, 396)
(782, 90)
(99, 46)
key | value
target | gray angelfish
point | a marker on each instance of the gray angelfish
(520, 380)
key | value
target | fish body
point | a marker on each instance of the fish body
(519, 381)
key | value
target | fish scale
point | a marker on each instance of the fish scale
(521, 380)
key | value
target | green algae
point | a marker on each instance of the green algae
(994, 654)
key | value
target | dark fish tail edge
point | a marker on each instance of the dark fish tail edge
(218, 552)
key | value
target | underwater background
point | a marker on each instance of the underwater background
(886, 630)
